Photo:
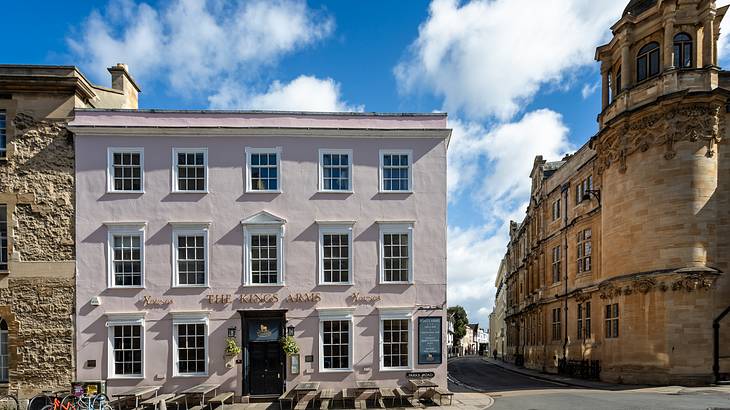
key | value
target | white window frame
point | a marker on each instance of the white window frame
(176, 166)
(189, 318)
(337, 228)
(110, 169)
(330, 314)
(124, 319)
(125, 228)
(381, 174)
(322, 153)
(278, 231)
(395, 228)
(275, 150)
(4, 133)
(189, 229)
(556, 210)
(395, 313)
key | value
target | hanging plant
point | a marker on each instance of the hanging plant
(289, 345)
(232, 347)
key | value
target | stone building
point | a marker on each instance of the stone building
(619, 268)
(496, 318)
(37, 218)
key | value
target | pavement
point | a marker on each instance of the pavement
(519, 389)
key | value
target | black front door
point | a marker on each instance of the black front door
(266, 367)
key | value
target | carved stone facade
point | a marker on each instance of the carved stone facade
(623, 256)
(37, 290)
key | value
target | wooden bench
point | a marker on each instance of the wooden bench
(288, 396)
(303, 403)
(325, 398)
(389, 394)
(403, 393)
(221, 399)
(441, 393)
(177, 401)
(155, 401)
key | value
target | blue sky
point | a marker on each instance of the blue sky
(516, 76)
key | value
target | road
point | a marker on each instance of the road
(512, 390)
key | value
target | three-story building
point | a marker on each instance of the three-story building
(200, 231)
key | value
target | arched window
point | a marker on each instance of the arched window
(618, 81)
(682, 51)
(647, 62)
(4, 358)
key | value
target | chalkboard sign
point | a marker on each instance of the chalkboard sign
(420, 375)
(429, 340)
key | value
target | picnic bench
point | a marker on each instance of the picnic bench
(407, 395)
(287, 396)
(221, 399)
(202, 390)
(326, 396)
(303, 402)
(387, 393)
(135, 394)
(157, 401)
(441, 393)
(347, 395)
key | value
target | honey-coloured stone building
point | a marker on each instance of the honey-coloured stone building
(620, 268)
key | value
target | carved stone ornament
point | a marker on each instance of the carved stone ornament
(608, 291)
(581, 297)
(694, 282)
(693, 122)
(644, 285)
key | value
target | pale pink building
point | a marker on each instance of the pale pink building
(196, 227)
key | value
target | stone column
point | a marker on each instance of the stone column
(606, 78)
(708, 38)
(669, 43)
(697, 61)
(626, 66)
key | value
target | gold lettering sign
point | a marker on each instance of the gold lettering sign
(152, 301)
(304, 298)
(249, 298)
(359, 298)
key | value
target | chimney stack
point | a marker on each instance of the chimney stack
(123, 81)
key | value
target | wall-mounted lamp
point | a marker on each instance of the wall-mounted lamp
(231, 332)
(290, 330)
(595, 192)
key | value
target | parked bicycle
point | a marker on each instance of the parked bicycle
(47, 398)
(8, 402)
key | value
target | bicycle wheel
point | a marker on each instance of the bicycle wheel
(100, 401)
(47, 407)
(8, 402)
(38, 402)
(69, 402)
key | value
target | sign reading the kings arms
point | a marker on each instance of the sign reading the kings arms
(263, 298)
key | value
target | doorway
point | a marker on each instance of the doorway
(264, 372)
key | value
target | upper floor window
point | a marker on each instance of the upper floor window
(335, 170)
(263, 249)
(619, 82)
(582, 189)
(647, 62)
(3, 133)
(396, 250)
(126, 256)
(396, 171)
(4, 251)
(682, 51)
(556, 264)
(190, 250)
(190, 173)
(585, 250)
(335, 252)
(263, 169)
(556, 210)
(4, 356)
(126, 170)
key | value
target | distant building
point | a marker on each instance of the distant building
(482, 339)
(621, 266)
(450, 348)
(496, 318)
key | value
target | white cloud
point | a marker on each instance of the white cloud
(190, 44)
(489, 58)
(723, 45)
(493, 166)
(589, 89)
(304, 93)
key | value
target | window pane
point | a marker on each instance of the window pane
(127, 260)
(127, 354)
(191, 259)
(192, 339)
(264, 172)
(395, 172)
(395, 343)
(264, 262)
(127, 171)
(335, 344)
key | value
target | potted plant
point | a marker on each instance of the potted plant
(232, 347)
(289, 345)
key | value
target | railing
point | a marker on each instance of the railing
(583, 369)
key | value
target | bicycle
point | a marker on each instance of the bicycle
(8, 402)
(93, 402)
(46, 398)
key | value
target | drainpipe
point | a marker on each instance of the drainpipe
(565, 190)
(716, 344)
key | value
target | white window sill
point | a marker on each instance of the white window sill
(189, 376)
(126, 377)
(205, 286)
(396, 369)
(395, 283)
(337, 191)
(125, 192)
(335, 370)
(126, 287)
(262, 285)
(261, 191)
(336, 284)
(189, 192)
(381, 191)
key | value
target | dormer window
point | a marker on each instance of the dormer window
(682, 51)
(647, 62)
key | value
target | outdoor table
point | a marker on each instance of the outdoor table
(202, 390)
(367, 385)
(421, 384)
(137, 393)
(368, 389)
(304, 388)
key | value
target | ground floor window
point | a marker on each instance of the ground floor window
(4, 357)
(191, 348)
(611, 321)
(396, 340)
(556, 324)
(127, 350)
(336, 344)
(3, 238)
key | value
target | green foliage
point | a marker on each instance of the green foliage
(289, 345)
(460, 320)
(232, 347)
